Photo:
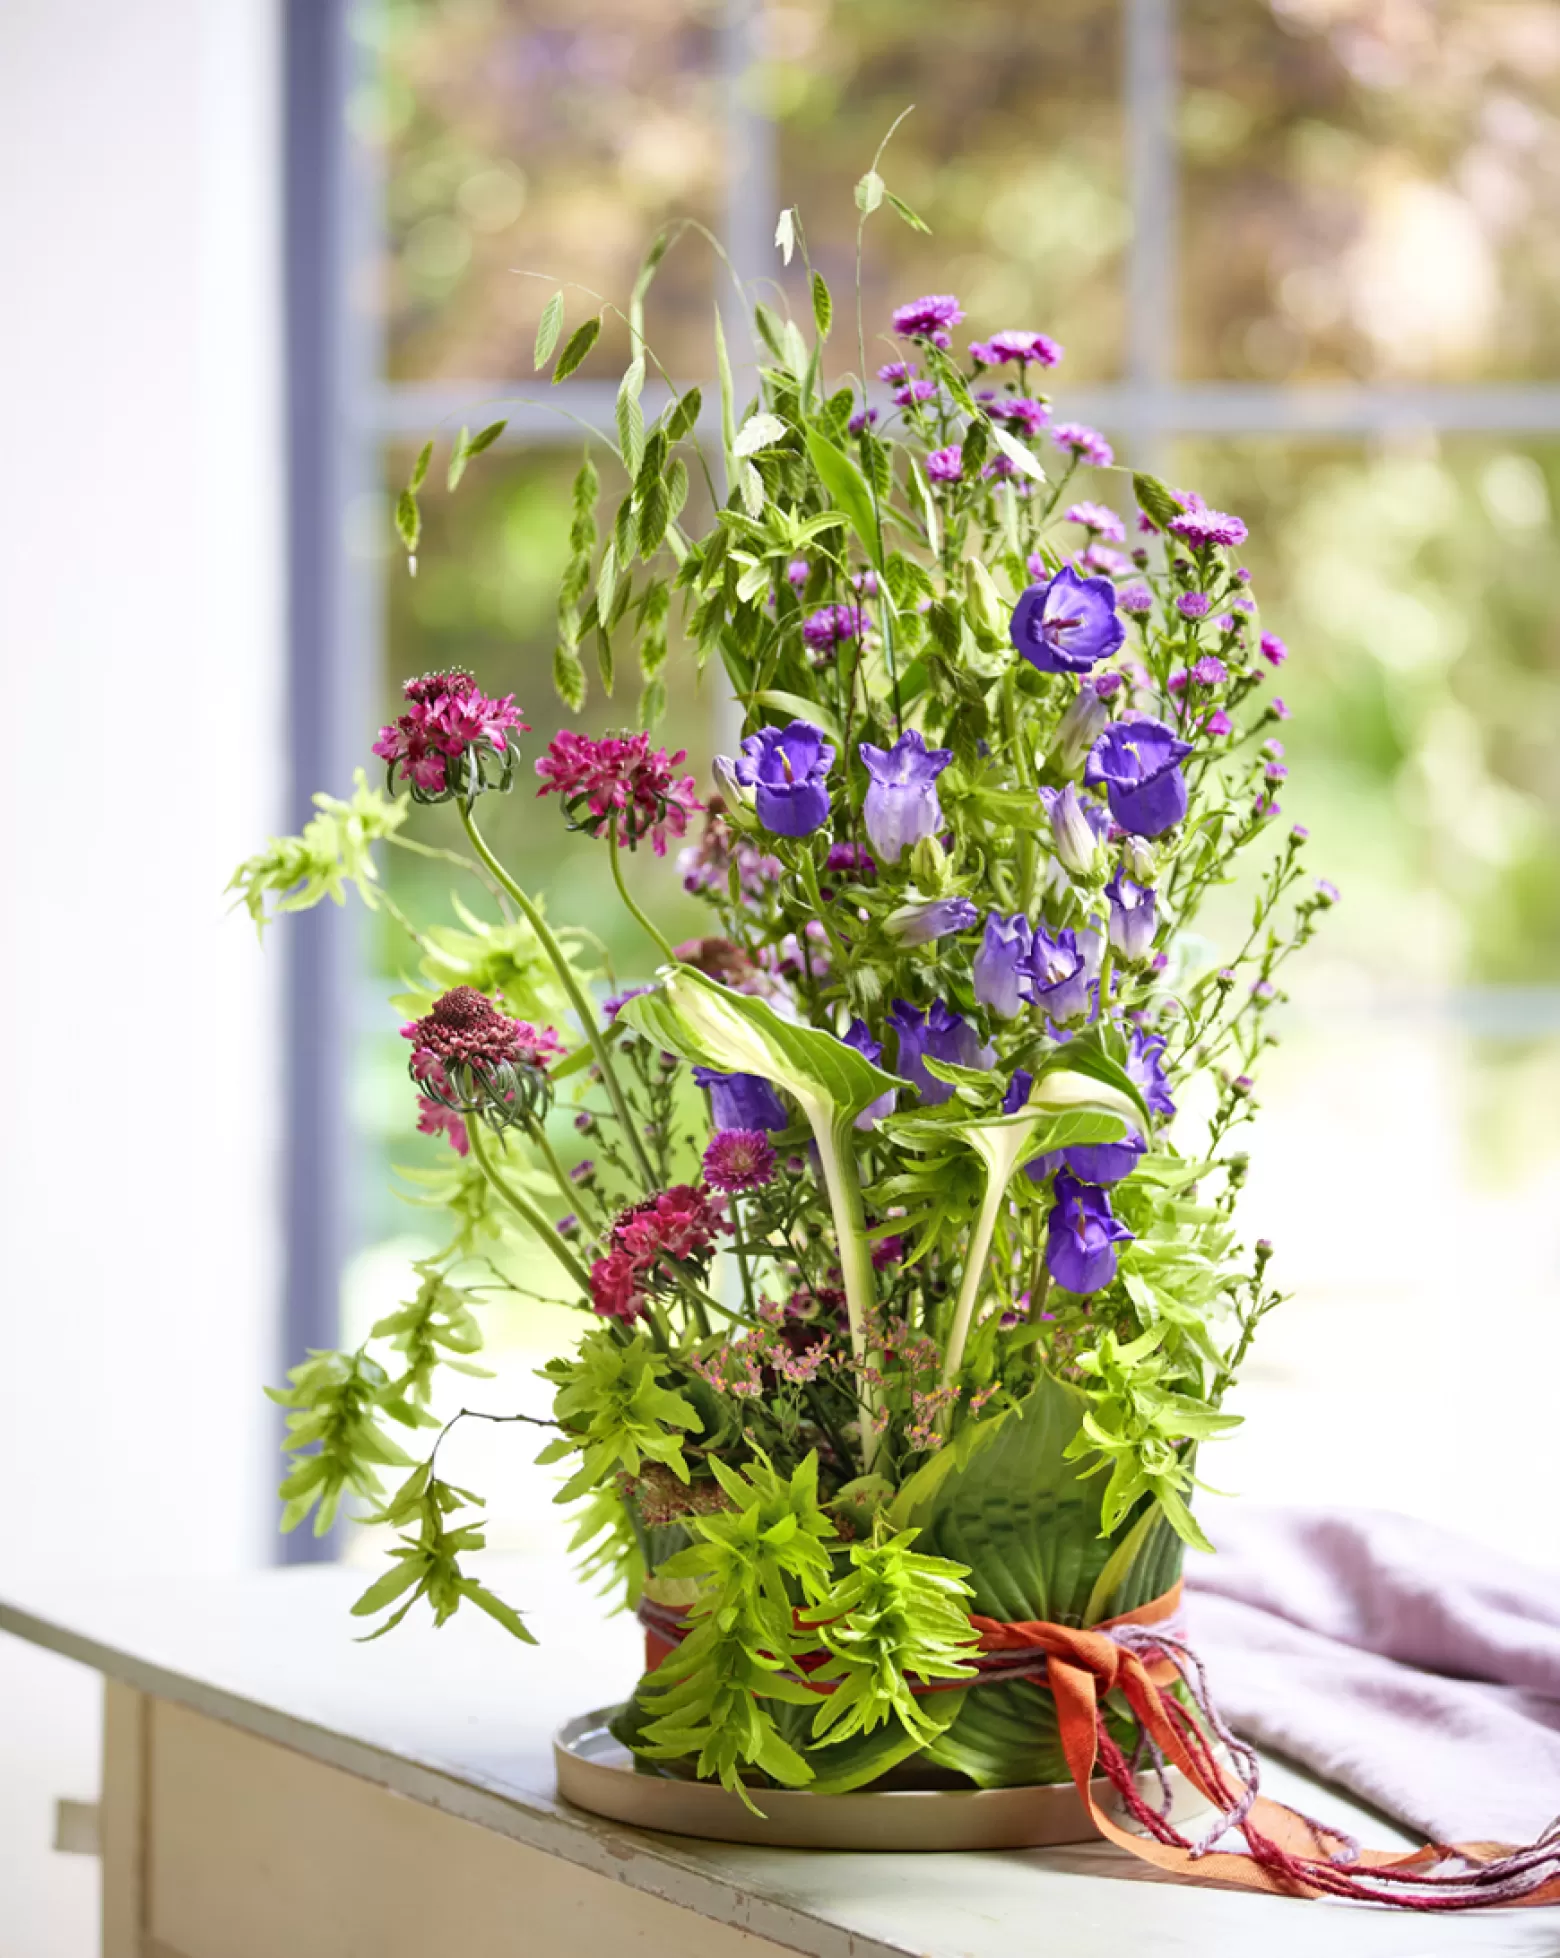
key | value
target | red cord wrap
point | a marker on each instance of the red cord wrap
(1287, 1854)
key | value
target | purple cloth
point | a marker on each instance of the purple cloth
(1417, 1669)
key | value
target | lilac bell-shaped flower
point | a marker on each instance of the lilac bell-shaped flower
(860, 1037)
(1081, 1235)
(1067, 624)
(1139, 765)
(742, 1101)
(1145, 1067)
(938, 917)
(901, 805)
(1057, 976)
(938, 1033)
(786, 769)
(1077, 829)
(999, 964)
(1132, 918)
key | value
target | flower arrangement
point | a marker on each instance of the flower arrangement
(909, 1285)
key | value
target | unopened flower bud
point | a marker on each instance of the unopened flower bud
(738, 797)
(929, 866)
(1139, 859)
(1078, 730)
(1074, 838)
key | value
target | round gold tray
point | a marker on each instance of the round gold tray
(596, 1772)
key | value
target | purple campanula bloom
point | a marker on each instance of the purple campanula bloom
(938, 1034)
(1082, 1235)
(860, 1038)
(1146, 1070)
(1139, 764)
(1132, 918)
(999, 963)
(919, 924)
(1021, 347)
(901, 806)
(1056, 976)
(1017, 1091)
(1091, 1162)
(922, 318)
(1067, 624)
(742, 1101)
(945, 465)
(1078, 827)
(785, 768)
(1078, 730)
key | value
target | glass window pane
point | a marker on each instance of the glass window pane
(1370, 189)
(524, 137)
(1012, 155)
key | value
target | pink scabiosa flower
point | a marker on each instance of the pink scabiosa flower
(1100, 519)
(1018, 347)
(1087, 444)
(739, 1159)
(924, 319)
(1203, 528)
(437, 1118)
(619, 779)
(470, 1058)
(452, 740)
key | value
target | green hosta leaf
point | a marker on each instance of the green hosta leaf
(548, 327)
(579, 344)
(707, 1024)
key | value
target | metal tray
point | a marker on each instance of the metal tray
(596, 1772)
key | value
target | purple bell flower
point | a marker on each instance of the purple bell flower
(1091, 1162)
(860, 1038)
(999, 964)
(902, 806)
(1068, 624)
(1132, 918)
(939, 1034)
(742, 1101)
(1078, 827)
(1017, 1091)
(919, 924)
(1145, 1068)
(1082, 1235)
(785, 768)
(1057, 976)
(1139, 764)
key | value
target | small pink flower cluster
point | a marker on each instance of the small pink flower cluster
(620, 777)
(447, 715)
(680, 1224)
(778, 1346)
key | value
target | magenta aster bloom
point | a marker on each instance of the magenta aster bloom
(1100, 519)
(1274, 651)
(1067, 624)
(797, 572)
(1136, 599)
(1081, 1235)
(1203, 528)
(1012, 345)
(896, 371)
(739, 1159)
(1193, 605)
(618, 778)
(914, 391)
(901, 804)
(1101, 558)
(924, 318)
(1085, 443)
(452, 740)
(945, 465)
(786, 768)
(1028, 417)
(1210, 671)
(831, 624)
(862, 419)
(1218, 723)
(1138, 763)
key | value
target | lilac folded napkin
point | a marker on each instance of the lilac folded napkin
(1417, 1669)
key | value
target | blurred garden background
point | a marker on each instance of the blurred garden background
(1343, 323)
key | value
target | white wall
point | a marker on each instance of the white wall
(142, 665)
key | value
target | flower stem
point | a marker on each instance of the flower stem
(650, 930)
(524, 1208)
(974, 1271)
(571, 985)
(850, 1232)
